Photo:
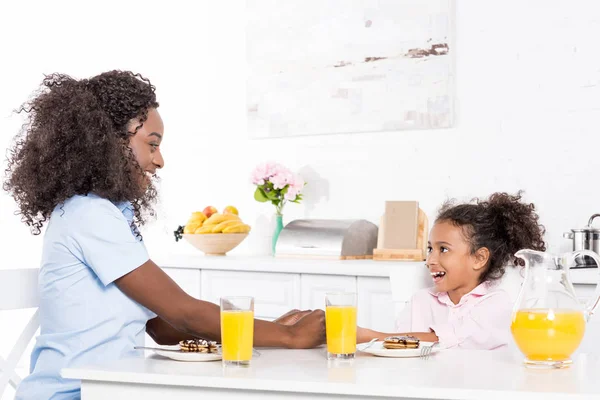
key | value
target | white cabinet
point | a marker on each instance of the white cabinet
(376, 309)
(274, 293)
(314, 288)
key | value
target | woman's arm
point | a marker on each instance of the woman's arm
(154, 289)
(163, 333)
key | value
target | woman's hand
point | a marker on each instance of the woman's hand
(309, 331)
(291, 317)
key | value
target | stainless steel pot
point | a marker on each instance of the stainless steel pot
(587, 238)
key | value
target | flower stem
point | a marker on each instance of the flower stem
(279, 207)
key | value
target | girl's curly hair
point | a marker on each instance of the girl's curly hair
(502, 224)
(76, 141)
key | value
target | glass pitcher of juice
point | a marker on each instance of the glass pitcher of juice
(548, 321)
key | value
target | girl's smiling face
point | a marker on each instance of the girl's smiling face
(453, 267)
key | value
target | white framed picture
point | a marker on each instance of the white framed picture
(346, 66)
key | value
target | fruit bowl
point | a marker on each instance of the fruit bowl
(216, 244)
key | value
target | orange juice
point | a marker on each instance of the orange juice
(237, 335)
(547, 334)
(340, 323)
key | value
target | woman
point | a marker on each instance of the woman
(84, 162)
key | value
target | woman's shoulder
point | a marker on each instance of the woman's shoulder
(85, 207)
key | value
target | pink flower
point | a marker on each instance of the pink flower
(297, 183)
(272, 169)
(291, 193)
(257, 178)
(282, 178)
(263, 172)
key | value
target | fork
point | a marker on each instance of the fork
(369, 344)
(426, 350)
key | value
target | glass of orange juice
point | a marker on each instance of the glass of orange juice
(340, 324)
(237, 329)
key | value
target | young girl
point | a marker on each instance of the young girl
(469, 248)
(84, 165)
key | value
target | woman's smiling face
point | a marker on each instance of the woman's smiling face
(145, 144)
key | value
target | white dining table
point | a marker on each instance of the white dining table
(307, 374)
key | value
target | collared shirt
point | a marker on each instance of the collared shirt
(480, 320)
(84, 317)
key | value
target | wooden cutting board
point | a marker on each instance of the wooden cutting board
(402, 230)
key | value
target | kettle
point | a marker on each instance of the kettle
(586, 238)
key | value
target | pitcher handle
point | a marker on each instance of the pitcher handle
(591, 305)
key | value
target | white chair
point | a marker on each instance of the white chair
(18, 290)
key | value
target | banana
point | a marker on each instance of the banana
(239, 228)
(218, 218)
(191, 227)
(198, 216)
(206, 228)
(195, 222)
(219, 227)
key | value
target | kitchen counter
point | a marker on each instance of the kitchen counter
(286, 265)
(304, 374)
(367, 268)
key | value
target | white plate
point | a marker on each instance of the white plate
(377, 349)
(186, 356)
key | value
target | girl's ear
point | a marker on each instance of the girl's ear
(482, 255)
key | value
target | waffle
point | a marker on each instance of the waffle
(401, 342)
(197, 346)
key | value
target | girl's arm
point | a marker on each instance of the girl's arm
(363, 335)
(403, 324)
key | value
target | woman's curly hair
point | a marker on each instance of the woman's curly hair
(76, 141)
(502, 224)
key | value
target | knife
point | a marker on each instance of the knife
(156, 348)
(256, 352)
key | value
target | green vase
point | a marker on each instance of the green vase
(278, 228)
